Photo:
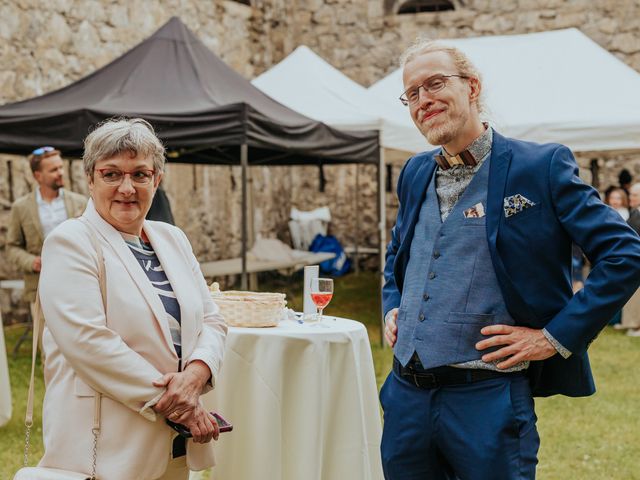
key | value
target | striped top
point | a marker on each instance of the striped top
(148, 260)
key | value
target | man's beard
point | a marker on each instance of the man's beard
(441, 135)
(56, 185)
(445, 132)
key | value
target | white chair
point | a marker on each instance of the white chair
(304, 226)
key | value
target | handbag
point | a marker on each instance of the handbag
(46, 473)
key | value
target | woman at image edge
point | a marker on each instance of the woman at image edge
(156, 347)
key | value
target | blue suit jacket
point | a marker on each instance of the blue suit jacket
(531, 252)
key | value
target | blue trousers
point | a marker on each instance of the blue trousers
(479, 431)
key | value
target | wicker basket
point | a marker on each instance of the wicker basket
(249, 309)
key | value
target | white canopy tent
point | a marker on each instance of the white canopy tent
(306, 83)
(557, 86)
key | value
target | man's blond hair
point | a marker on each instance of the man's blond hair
(464, 65)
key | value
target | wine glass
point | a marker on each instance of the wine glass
(321, 293)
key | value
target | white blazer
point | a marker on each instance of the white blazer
(118, 353)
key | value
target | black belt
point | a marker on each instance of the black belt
(426, 378)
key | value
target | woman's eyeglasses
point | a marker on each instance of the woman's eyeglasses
(113, 176)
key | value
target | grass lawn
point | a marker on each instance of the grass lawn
(594, 438)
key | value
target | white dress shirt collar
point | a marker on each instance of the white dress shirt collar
(51, 214)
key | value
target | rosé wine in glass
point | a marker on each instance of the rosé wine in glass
(321, 300)
(321, 293)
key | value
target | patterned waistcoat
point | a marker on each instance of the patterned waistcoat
(450, 290)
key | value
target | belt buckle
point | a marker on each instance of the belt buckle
(432, 379)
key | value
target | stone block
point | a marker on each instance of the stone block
(351, 17)
(149, 16)
(569, 20)
(75, 67)
(304, 17)
(312, 5)
(548, 14)
(626, 42)
(607, 25)
(325, 15)
(527, 21)
(54, 32)
(492, 23)
(375, 10)
(51, 58)
(554, 3)
(94, 12)
(28, 86)
(508, 5)
(7, 84)
(27, 4)
(61, 6)
(107, 34)
(237, 10)
(634, 61)
(628, 19)
(481, 5)
(524, 5)
(10, 19)
(118, 15)
(86, 42)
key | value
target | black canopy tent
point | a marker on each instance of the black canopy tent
(203, 111)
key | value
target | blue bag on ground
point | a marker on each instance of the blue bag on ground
(337, 266)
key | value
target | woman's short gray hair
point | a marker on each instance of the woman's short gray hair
(121, 135)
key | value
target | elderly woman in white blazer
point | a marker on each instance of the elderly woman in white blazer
(155, 346)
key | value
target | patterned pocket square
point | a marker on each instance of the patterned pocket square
(515, 204)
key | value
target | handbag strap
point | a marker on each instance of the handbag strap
(38, 326)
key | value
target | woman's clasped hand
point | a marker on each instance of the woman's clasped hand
(181, 401)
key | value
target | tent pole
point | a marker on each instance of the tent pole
(10, 179)
(382, 237)
(244, 161)
(357, 239)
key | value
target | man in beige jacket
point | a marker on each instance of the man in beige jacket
(34, 215)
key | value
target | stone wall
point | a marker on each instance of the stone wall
(45, 45)
(359, 39)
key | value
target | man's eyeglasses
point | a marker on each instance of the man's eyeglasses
(113, 176)
(432, 85)
(42, 150)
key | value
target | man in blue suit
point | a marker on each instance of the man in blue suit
(478, 301)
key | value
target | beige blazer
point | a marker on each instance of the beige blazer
(121, 352)
(24, 236)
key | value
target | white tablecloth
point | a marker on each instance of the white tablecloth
(303, 402)
(5, 387)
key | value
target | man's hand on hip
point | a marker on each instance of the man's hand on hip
(391, 328)
(520, 344)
